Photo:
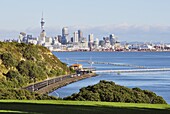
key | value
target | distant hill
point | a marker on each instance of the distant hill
(110, 92)
(21, 64)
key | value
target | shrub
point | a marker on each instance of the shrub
(8, 60)
(110, 92)
(21, 94)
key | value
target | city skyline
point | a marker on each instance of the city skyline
(131, 20)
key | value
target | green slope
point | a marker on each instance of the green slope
(79, 107)
(22, 64)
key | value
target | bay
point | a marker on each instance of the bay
(158, 82)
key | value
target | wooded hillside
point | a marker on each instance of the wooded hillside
(21, 64)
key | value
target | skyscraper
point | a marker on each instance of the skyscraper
(112, 39)
(91, 38)
(65, 31)
(65, 35)
(80, 35)
(75, 37)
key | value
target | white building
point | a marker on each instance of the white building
(75, 37)
(107, 44)
(96, 43)
(146, 47)
(42, 37)
(91, 38)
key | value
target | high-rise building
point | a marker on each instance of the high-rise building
(55, 40)
(59, 38)
(65, 31)
(91, 38)
(65, 35)
(112, 39)
(22, 37)
(75, 37)
(80, 35)
(96, 43)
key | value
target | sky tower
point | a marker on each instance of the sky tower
(42, 22)
(43, 33)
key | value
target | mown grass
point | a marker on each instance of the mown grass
(10, 111)
(79, 107)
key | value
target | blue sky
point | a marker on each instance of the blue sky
(128, 17)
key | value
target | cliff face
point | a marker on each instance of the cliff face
(21, 64)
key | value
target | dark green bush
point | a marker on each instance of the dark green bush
(8, 60)
(110, 92)
(21, 94)
(30, 69)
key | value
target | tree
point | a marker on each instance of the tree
(8, 60)
(12, 74)
(110, 92)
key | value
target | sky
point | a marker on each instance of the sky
(130, 20)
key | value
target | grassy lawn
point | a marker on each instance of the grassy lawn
(78, 107)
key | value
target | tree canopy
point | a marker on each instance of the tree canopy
(21, 64)
(110, 92)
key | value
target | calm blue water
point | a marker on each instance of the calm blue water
(158, 82)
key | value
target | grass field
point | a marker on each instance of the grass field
(78, 107)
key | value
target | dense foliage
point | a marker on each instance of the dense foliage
(110, 92)
(21, 94)
(21, 64)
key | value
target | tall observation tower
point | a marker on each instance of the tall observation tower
(43, 33)
(42, 23)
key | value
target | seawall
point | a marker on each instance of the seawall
(59, 84)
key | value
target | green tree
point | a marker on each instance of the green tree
(110, 92)
(12, 74)
(8, 60)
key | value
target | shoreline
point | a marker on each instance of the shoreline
(114, 51)
(50, 88)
